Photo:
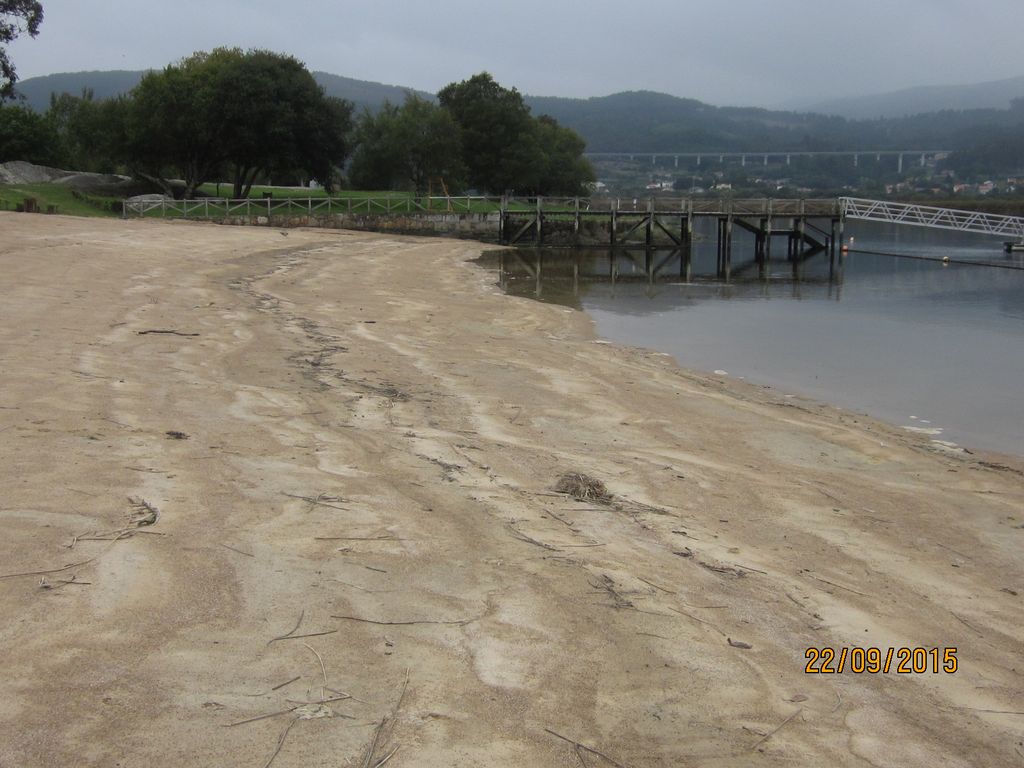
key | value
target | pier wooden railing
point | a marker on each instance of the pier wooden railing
(215, 207)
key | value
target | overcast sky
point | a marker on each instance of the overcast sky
(750, 52)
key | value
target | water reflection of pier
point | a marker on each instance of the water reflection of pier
(570, 270)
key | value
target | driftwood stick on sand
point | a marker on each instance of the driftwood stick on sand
(280, 741)
(459, 622)
(578, 746)
(767, 736)
(166, 331)
(293, 630)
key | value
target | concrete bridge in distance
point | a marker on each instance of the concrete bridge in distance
(922, 156)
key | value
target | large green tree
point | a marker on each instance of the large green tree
(275, 118)
(241, 113)
(406, 147)
(89, 133)
(27, 135)
(16, 17)
(494, 122)
(506, 149)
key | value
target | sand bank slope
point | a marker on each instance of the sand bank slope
(352, 441)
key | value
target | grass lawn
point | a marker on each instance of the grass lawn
(70, 202)
(63, 197)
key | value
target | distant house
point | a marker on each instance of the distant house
(986, 187)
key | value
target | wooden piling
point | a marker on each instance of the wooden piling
(727, 253)
(576, 224)
(540, 221)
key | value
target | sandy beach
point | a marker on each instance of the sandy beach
(288, 498)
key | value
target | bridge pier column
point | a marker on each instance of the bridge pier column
(899, 164)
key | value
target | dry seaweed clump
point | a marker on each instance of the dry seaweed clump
(582, 486)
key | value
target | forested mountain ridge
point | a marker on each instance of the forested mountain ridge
(105, 85)
(996, 94)
(645, 121)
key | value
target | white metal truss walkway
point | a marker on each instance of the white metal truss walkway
(928, 216)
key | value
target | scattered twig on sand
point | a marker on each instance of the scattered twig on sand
(821, 490)
(767, 736)
(748, 568)
(993, 711)
(167, 331)
(280, 741)
(361, 589)
(319, 501)
(228, 546)
(69, 566)
(289, 710)
(562, 520)
(116, 535)
(833, 584)
(529, 540)
(698, 620)
(651, 634)
(580, 746)
(379, 731)
(44, 584)
(323, 669)
(660, 589)
(459, 622)
(739, 644)
(293, 630)
(607, 584)
(387, 757)
(308, 634)
(287, 682)
(723, 569)
(967, 624)
(358, 538)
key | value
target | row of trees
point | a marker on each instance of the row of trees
(251, 116)
(479, 135)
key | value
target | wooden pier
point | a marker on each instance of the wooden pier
(809, 227)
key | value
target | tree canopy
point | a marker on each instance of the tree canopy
(26, 135)
(406, 147)
(243, 113)
(505, 148)
(16, 17)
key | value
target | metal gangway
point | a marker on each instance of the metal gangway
(929, 216)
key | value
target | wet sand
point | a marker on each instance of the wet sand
(352, 440)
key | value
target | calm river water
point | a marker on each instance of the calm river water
(926, 345)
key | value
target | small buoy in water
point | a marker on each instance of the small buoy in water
(945, 260)
(845, 249)
(851, 239)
